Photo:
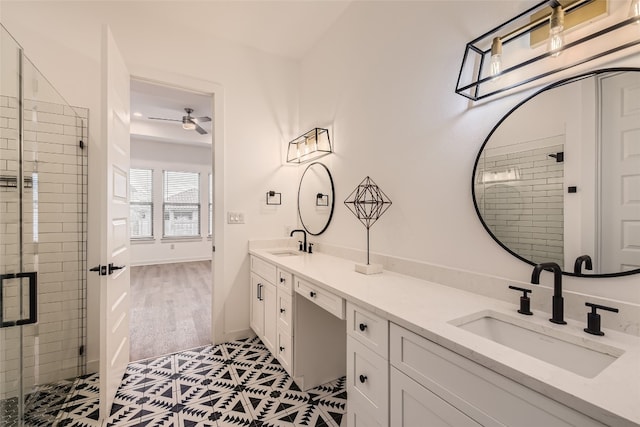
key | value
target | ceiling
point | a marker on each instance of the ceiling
(152, 100)
(286, 28)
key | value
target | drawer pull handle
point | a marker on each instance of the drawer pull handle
(363, 378)
(282, 280)
(282, 310)
(312, 294)
(363, 327)
(281, 348)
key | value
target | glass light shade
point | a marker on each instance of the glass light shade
(188, 125)
(556, 31)
(309, 146)
(556, 41)
(634, 10)
(496, 57)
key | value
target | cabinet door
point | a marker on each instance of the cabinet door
(413, 405)
(285, 311)
(256, 320)
(284, 350)
(270, 316)
(367, 381)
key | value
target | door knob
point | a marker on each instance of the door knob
(363, 378)
(113, 268)
(312, 294)
(363, 327)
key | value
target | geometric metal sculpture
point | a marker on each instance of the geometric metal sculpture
(368, 202)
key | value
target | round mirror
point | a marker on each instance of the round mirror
(558, 178)
(316, 198)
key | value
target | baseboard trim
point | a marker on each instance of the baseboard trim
(236, 335)
(93, 366)
(168, 261)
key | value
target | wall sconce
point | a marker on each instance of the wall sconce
(274, 198)
(322, 199)
(309, 146)
(528, 46)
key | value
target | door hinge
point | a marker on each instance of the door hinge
(213, 248)
(81, 350)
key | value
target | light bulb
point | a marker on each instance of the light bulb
(556, 33)
(634, 10)
(496, 57)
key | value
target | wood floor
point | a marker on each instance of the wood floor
(170, 308)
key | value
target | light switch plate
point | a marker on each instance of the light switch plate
(235, 217)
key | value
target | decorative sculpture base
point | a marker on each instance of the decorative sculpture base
(369, 268)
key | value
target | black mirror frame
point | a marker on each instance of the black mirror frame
(475, 166)
(333, 199)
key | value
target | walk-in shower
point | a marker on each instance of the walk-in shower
(43, 188)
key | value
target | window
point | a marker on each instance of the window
(210, 205)
(181, 209)
(141, 203)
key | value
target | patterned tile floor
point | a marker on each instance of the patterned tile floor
(237, 383)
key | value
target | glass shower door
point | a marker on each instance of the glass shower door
(42, 247)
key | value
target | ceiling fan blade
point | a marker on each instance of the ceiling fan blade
(202, 119)
(199, 129)
(160, 118)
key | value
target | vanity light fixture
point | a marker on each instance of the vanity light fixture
(526, 47)
(309, 146)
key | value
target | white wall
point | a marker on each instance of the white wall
(260, 113)
(385, 75)
(159, 157)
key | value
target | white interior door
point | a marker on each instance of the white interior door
(114, 286)
(620, 173)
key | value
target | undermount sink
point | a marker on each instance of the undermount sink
(285, 252)
(579, 355)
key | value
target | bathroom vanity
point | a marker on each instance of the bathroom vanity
(420, 353)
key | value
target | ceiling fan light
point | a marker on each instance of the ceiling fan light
(188, 125)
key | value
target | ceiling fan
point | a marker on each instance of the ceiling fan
(188, 122)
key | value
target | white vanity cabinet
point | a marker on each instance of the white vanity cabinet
(263, 319)
(431, 385)
(306, 334)
(367, 368)
(284, 319)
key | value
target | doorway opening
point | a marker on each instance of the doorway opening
(171, 219)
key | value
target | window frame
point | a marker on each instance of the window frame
(165, 204)
(151, 236)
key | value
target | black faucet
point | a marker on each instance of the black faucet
(557, 313)
(586, 259)
(303, 246)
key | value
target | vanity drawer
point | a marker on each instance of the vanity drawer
(368, 380)
(284, 310)
(326, 300)
(266, 270)
(284, 280)
(480, 393)
(368, 328)
(284, 350)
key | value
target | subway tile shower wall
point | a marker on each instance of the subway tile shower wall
(521, 200)
(53, 240)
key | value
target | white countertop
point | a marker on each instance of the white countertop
(426, 308)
